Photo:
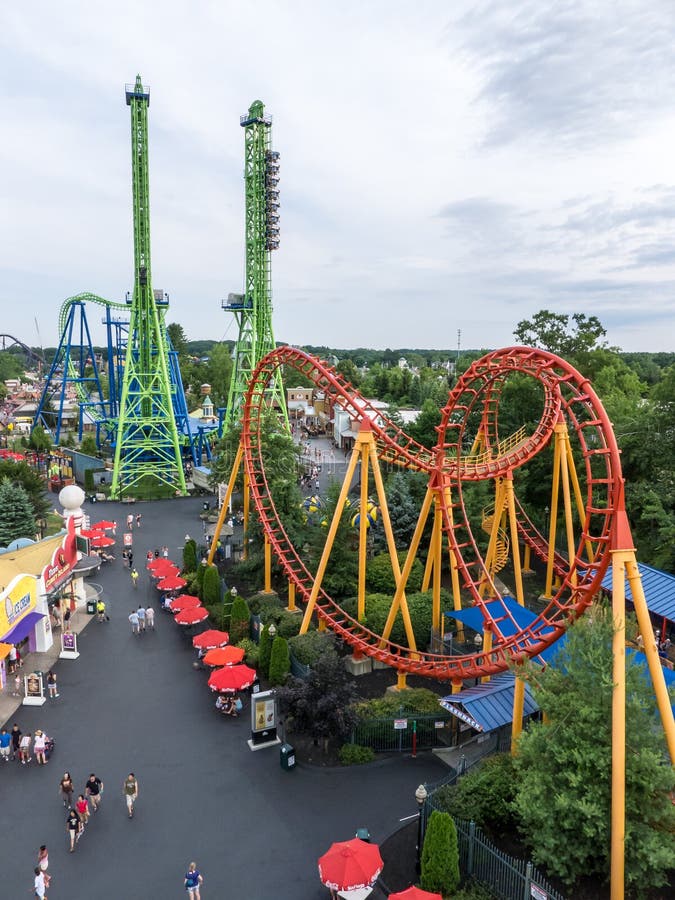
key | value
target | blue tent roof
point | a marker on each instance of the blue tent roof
(659, 588)
(488, 706)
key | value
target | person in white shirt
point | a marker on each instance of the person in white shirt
(150, 618)
(39, 884)
(133, 618)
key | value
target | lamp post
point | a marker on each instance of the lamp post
(272, 631)
(420, 796)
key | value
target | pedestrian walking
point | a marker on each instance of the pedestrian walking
(66, 787)
(39, 747)
(133, 618)
(101, 611)
(52, 690)
(134, 577)
(73, 826)
(17, 686)
(5, 744)
(93, 790)
(12, 659)
(24, 748)
(15, 734)
(148, 558)
(130, 522)
(43, 864)
(39, 884)
(114, 528)
(140, 612)
(193, 881)
(66, 620)
(150, 618)
(130, 558)
(138, 520)
(130, 790)
(82, 809)
(165, 552)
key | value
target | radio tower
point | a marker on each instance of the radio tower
(148, 459)
(253, 309)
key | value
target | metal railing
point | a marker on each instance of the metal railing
(395, 734)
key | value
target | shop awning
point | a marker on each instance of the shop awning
(488, 706)
(23, 629)
(659, 588)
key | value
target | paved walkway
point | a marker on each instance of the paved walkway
(136, 704)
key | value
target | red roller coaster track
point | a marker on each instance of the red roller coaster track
(473, 405)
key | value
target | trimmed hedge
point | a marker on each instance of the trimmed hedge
(190, 556)
(240, 619)
(264, 651)
(440, 855)
(353, 755)
(280, 661)
(211, 586)
(380, 576)
(307, 648)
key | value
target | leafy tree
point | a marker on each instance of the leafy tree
(240, 618)
(563, 767)
(32, 483)
(39, 440)
(211, 586)
(190, 556)
(380, 575)
(17, 519)
(341, 576)
(423, 429)
(280, 661)
(177, 337)
(484, 795)
(348, 370)
(321, 705)
(403, 510)
(308, 647)
(88, 445)
(440, 855)
(560, 333)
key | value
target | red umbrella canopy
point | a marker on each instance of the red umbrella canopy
(191, 616)
(101, 541)
(349, 865)
(161, 563)
(231, 679)
(92, 533)
(105, 525)
(171, 583)
(209, 639)
(224, 656)
(185, 601)
(415, 893)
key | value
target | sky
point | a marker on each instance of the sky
(445, 167)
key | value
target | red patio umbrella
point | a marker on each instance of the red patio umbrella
(349, 865)
(101, 541)
(209, 639)
(224, 656)
(414, 893)
(171, 583)
(105, 525)
(92, 533)
(161, 562)
(191, 616)
(230, 679)
(185, 601)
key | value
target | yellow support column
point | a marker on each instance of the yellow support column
(291, 598)
(401, 683)
(618, 819)
(527, 560)
(247, 512)
(518, 707)
(363, 530)
(268, 567)
(515, 546)
(226, 502)
(555, 490)
(487, 646)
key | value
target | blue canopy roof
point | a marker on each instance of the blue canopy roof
(659, 588)
(488, 706)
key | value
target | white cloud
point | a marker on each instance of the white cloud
(439, 170)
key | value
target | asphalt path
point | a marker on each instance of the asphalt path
(136, 704)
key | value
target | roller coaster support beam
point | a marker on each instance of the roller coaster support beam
(291, 598)
(618, 819)
(236, 466)
(518, 707)
(491, 553)
(247, 513)
(515, 545)
(364, 454)
(487, 645)
(268, 567)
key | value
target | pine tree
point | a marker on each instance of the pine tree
(440, 855)
(190, 556)
(264, 651)
(16, 513)
(280, 661)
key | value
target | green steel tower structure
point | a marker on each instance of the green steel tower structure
(253, 308)
(148, 459)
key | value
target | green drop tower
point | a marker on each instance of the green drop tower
(253, 309)
(148, 460)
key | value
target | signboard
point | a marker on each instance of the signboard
(82, 544)
(17, 601)
(263, 720)
(439, 724)
(463, 716)
(128, 539)
(33, 690)
(63, 560)
(400, 724)
(538, 893)
(68, 646)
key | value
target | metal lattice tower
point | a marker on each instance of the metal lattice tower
(253, 308)
(148, 459)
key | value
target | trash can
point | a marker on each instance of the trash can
(363, 834)
(287, 756)
(91, 607)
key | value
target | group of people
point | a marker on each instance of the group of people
(142, 619)
(15, 744)
(131, 519)
(79, 812)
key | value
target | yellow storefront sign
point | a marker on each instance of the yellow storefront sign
(17, 601)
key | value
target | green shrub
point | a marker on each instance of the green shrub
(252, 652)
(201, 572)
(88, 445)
(353, 755)
(217, 616)
(190, 556)
(485, 794)
(264, 651)
(419, 606)
(192, 586)
(280, 661)
(289, 624)
(307, 648)
(380, 576)
(89, 481)
(240, 618)
(211, 586)
(265, 606)
(440, 855)
(419, 700)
